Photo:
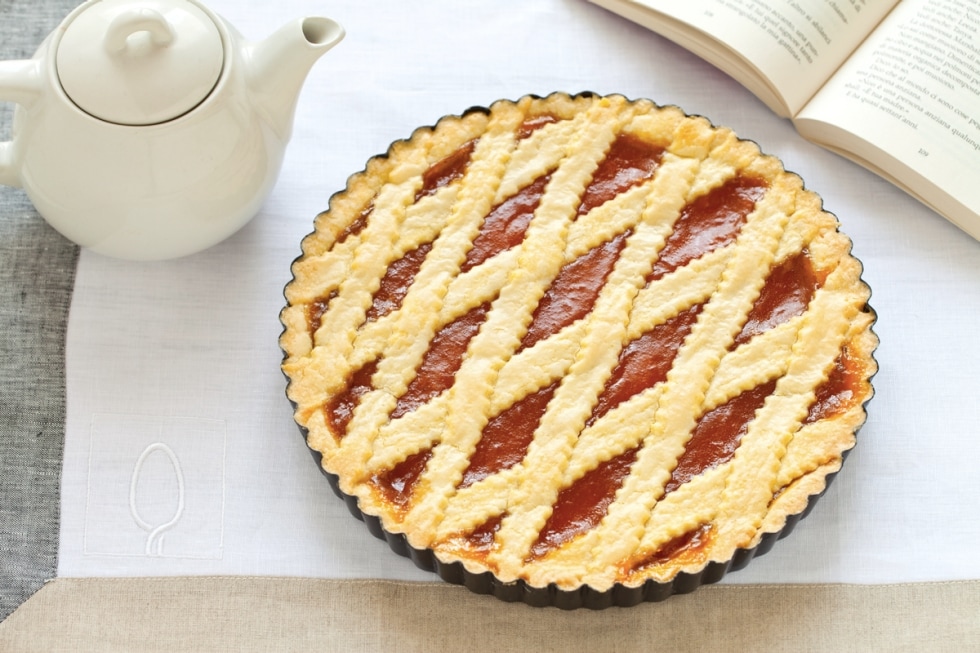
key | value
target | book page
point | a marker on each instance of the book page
(790, 47)
(908, 105)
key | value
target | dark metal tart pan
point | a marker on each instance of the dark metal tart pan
(620, 595)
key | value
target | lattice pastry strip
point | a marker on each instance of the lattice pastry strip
(544, 466)
(686, 385)
(417, 323)
(742, 493)
(548, 359)
(820, 442)
(469, 396)
(586, 343)
(460, 295)
(739, 521)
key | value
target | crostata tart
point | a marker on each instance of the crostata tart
(578, 342)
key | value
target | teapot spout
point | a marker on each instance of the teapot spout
(279, 65)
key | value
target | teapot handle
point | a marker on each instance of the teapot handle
(20, 82)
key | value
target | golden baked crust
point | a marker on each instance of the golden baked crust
(648, 526)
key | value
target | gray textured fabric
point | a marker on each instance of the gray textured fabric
(37, 272)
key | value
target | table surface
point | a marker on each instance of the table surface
(181, 357)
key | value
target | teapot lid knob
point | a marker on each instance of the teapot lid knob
(139, 62)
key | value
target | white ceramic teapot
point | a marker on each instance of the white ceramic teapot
(149, 129)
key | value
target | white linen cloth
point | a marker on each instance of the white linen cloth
(181, 457)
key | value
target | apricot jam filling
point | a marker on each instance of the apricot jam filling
(435, 375)
(441, 361)
(629, 161)
(506, 223)
(357, 226)
(446, 171)
(397, 484)
(708, 223)
(583, 504)
(396, 282)
(340, 409)
(644, 362)
(505, 438)
(316, 309)
(684, 549)
(480, 540)
(476, 544)
(574, 291)
(533, 124)
(840, 391)
(786, 294)
(717, 435)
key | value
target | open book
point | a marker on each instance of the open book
(893, 85)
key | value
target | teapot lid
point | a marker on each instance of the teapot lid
(139, 62)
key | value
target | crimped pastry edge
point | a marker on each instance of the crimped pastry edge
(457, 571)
